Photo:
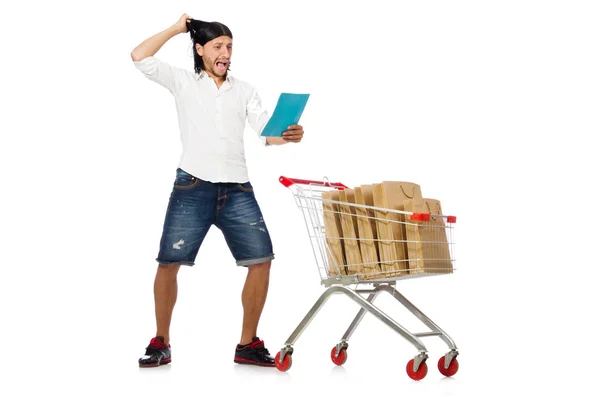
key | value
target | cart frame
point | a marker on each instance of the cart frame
(416, 367)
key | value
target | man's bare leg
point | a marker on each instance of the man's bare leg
(165, 296)
(254, 296)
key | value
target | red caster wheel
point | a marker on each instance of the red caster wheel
(421, 372)
(451, 370)
(285, 364)
(341, 358)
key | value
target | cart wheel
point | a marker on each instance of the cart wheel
(451, 370)
(341, 358)
(421, 372)
(286, 364)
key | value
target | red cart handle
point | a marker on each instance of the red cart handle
(287, 182)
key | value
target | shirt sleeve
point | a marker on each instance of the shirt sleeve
(257, 115)
(160, 72)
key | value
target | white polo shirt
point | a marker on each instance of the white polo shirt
(211, 120)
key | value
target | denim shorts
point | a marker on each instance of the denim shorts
(195, 205)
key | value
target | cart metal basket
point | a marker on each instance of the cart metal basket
(364, 250)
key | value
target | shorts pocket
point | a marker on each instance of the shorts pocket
(245, 187)
(183, 180)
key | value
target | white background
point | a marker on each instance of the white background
(492, 107)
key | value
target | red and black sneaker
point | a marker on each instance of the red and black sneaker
(157, 353)
(254, 353)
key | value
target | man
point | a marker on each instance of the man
(211, 184)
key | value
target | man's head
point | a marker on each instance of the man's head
(212, 47)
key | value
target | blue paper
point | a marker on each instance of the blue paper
(287, 112)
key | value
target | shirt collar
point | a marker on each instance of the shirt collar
(203, 75)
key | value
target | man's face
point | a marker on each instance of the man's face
(216, 55)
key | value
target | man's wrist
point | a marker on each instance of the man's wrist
(175, 30)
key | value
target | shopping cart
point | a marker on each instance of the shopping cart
(354, 245)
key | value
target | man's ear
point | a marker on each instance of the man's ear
(199, 49)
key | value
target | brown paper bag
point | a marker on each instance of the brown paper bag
(333, 235)
(354, 262)
(390, 226)
(367, 231)
(428, 249)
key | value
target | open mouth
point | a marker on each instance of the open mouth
(222, 66)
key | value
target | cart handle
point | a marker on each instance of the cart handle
(287, 182)
(425, 217)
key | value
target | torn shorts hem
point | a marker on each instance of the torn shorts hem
(167, 263)
(248, 262)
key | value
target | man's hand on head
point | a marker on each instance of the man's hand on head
(182, 24)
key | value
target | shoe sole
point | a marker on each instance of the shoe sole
(162, 362)
(248, 362)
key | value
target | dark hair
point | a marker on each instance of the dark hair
(202, 32)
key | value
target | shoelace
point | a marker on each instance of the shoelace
(154, 347)
(152, 350)
(262, 351)
(260, 348)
